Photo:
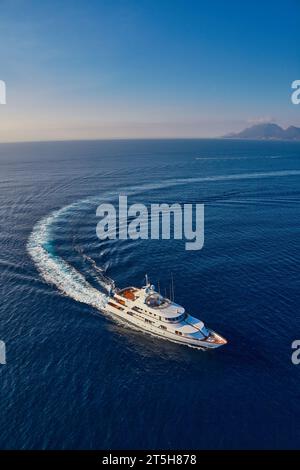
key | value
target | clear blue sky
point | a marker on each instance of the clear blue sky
(146, 68)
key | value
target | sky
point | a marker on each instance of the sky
(146, 68)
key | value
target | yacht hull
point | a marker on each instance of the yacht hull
(158, 332)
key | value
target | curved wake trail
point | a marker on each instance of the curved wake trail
(55, 270)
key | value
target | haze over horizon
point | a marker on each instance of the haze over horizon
(134, 69)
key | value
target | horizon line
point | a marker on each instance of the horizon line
(113, 139)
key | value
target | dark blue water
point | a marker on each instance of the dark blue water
(76, 379)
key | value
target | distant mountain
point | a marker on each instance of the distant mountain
(292, 133)
(267, 131)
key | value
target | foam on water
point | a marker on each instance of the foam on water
(54, 269)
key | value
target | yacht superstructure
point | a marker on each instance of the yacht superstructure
(147, 309)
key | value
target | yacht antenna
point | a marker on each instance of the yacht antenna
(158, 285)
(146, 277)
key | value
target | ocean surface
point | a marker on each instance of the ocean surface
(75, 378)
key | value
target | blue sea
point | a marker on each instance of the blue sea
(77, 379)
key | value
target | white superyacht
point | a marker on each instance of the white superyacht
(147, 309)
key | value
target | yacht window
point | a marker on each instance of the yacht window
(176, 319)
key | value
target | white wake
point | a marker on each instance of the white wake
(55, 270)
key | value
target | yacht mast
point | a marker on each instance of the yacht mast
(172, 287)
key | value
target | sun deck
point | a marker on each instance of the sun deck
(129, 293)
